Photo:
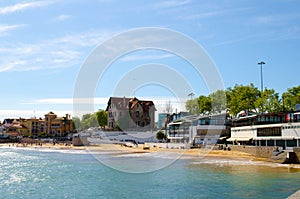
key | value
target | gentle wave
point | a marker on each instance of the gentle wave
(242, 162)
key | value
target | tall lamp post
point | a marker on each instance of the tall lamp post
(261, 75)
(191, 95)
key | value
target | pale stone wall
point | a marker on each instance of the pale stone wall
(297, 152)
(257, 151)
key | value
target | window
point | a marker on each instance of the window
(273, 131)
(137, 114)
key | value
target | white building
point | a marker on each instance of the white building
(280, 129)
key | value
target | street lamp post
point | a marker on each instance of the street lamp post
(261, 75)
(191, 95)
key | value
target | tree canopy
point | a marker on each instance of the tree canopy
(218, 101)
(96, 119)
(102, 118)
(242, 98)
(246, 98)
(204, 104)
(291, 97)
(160, 135)
(192, 106)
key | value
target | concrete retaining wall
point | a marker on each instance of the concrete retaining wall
(286, 157)
(257, 151)
(297, 152)
(82, 141)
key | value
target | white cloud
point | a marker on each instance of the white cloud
(276, 19)
(146, 57)
(57, 101)
(62, 17)
(23, 6)
(159, 102)
(216, 13)
(99, 103)
(60, 52)
(6, 28)
(168, 4)
(30, 113)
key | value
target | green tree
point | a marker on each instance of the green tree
(42, 135)
(218, 101)
(268, 101)
(102, 118)
(160, 135)
(86, 116)
(242, 98)
(89, 120)
(76, 123)
(192, 106)
(291, 97)
(204, 104)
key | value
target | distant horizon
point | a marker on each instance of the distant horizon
(161, 105)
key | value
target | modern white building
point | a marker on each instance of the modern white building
(199, 130)
(280, 129)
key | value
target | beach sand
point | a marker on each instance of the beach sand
(117, 148)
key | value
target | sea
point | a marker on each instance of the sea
(55, 173)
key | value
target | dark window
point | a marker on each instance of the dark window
(271, 131)
(137, 114)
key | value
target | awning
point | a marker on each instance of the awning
(239, 139)
(274, 138)
(175, 138)
(175, 123)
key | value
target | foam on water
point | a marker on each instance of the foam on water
(162, 155)
(242, 162)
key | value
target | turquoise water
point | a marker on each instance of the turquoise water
(34, 173)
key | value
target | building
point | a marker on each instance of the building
(130, 114)
(57, 126)
(178, 116)
(34, 126)
(51, 126)
(162, 120)
(199, 130)
(210, 129)
(276, 129)
(16, 128)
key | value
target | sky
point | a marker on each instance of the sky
(45, 44)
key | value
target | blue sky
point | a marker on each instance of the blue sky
(43, 45)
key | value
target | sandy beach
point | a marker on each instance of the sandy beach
(117, 148)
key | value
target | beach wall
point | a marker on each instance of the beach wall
(297, 152)
(257, 151)
(286, 157)
(80, 141)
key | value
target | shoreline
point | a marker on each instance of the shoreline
(116, 148)
(196, 156)
(182, 153)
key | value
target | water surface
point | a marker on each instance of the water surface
(30, 173)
